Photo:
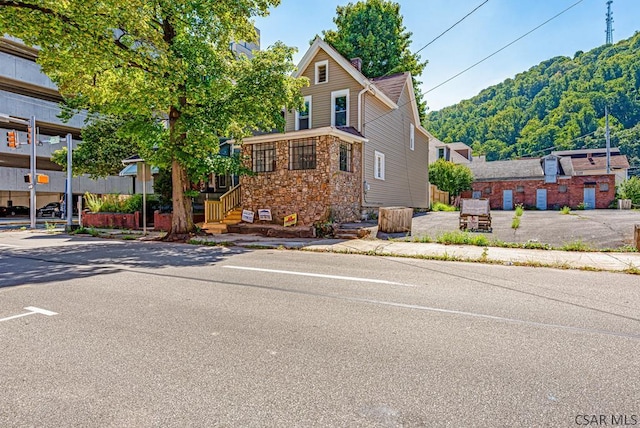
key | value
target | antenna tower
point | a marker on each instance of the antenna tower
(609, 23)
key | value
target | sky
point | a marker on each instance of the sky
(493, 26)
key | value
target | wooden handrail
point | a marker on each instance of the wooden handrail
(215, 211)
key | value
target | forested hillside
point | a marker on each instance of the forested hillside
(558, 104)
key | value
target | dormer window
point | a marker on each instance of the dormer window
(322, 72)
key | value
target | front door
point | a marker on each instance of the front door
(507, 200)
(541, 199)
(589, 198)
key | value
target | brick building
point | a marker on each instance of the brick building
(544, 183)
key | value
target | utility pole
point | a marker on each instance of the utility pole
(69, 197)
(34, 178)
(609, 23)
(608, 139)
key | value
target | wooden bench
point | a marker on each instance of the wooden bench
(475, 215)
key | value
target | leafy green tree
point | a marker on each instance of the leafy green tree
(373, 31)
(167, 65)
(630, 189)
(558, 104)
(450, 177)
(104, 146)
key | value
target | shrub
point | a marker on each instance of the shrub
(439, 206)
(565, 210)
(630, 189)
(519, 210)
(515, 223)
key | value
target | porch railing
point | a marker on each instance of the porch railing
(214, 211)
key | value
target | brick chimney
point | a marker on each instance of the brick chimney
(357, 63)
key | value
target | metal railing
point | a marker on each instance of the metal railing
(214, 211)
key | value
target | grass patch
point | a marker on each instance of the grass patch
(210, 243)
(462, 238)
(576, 246)
(519, 210)
(565, 210)
(439, 206)
(424, 239)
(515, 223)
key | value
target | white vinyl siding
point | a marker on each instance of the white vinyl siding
(340, 108)
(303, 118)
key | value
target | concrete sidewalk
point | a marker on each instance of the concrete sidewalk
(607, 261)
(628, 262)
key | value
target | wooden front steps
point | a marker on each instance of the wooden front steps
(232, 218)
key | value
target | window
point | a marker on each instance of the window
(519, 189)
(302, 154)
(378, 166)
(604, 187)
(264, 157)
(303, 118)
(340, 108)
(562, 188)
(322, 72)
(412, 135)
(487, 190)
(345, 157)
(441, 152)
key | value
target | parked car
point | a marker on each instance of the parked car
(18, 210)
(3, 211)
(52, 209)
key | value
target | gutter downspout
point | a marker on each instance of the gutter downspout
(360, 115)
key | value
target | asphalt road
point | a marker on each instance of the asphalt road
(154, 334)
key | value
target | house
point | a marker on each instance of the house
(594, 162)
(458, 153)
(358, 145)
(543, 183)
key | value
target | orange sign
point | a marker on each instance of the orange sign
(291, 220)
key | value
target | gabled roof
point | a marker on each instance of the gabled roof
(387, 89)
(391, 85)
(507, 169)
(318, 44)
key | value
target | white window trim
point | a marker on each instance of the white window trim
(378, 173)
(297, 124)
(412, 137)
(317, 66)
(334, 95)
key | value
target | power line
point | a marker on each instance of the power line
(505, 46)
(440, 35)
(481, 61)
(447, 30)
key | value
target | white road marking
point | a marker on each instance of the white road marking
(319, 275)
(32, 310)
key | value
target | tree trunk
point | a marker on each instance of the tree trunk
(181, 220)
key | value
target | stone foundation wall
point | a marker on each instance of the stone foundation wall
(316, 195)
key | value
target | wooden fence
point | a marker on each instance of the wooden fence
(438, 195)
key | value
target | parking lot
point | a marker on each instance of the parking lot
(599, 229)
